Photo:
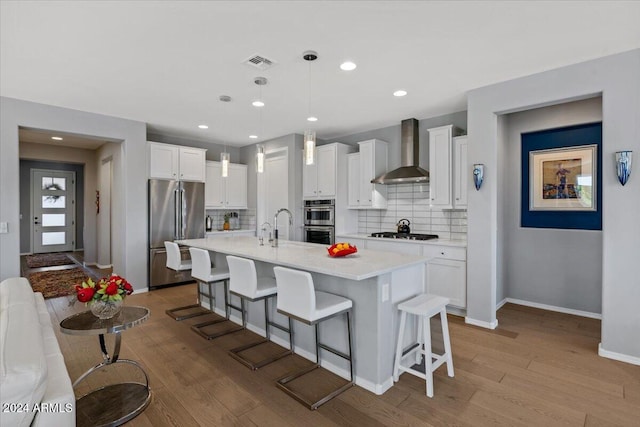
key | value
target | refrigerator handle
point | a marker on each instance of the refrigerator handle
(183, 210)
(177, 214)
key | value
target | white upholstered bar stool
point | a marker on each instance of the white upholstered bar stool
(203, 272)
(298, 299)
(245, 283)
(176, 263)
(423, 306)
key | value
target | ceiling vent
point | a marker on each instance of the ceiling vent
(259, 62)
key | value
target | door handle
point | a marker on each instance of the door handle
(176, 214)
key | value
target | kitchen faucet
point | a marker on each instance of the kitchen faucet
(263, 229)
(274, 243)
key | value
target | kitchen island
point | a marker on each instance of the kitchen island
(376, 281)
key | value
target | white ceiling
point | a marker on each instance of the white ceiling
(166, 63)
(39, 136)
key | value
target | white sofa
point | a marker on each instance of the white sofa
(35, 388)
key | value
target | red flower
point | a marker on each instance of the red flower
(111, 289)
(128, 288)
(85, 294)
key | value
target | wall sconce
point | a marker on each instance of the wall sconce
(259, 158)
(623, 166)
(478, 175)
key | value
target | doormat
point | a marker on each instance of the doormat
(48, 260)
(58, 283)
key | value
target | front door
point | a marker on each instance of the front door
(53, 201)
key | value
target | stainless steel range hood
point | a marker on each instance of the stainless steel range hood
(409, 171)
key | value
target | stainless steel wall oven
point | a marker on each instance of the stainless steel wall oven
(319, 221)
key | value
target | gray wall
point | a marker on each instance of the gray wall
(25, 199)
(556, 267)
(616, 78)
(129, 196)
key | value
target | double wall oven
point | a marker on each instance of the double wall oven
(319, 221)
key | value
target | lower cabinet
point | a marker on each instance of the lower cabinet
(446, 272)
(448, 278)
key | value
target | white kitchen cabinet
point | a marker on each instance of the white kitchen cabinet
(319, 179)
(372, 161)
(447, 273)
(225, 193)
(168, 161)
(353, 181)
(441, 166)
(460, 172)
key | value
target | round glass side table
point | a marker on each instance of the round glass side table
(113, 404)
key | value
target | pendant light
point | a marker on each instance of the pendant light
(260, 81)
(259, 158)
(310, 135)
(224, 159)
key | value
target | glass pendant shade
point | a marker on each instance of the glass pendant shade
(224, 159)
(259, 158)
(309, 147)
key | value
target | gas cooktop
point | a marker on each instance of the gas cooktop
(406, 236)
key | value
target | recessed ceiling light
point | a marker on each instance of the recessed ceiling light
(57, 138)
(312, 119)
(253, 136)
(257, 103)
(400, 93)
(348, 66)
(203, 126)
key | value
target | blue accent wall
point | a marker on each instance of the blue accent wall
(570, 136)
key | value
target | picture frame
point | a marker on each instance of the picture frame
(563, 179)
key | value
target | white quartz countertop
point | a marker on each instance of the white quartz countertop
(310, 256)
(438, 242)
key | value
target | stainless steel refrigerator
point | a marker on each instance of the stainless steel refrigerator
(176, 211)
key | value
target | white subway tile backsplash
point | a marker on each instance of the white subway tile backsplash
(411, 201)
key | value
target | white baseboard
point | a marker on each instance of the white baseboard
(500, 304)
(26, 253)
(140, 291)
(618, 356)
(481, 323)
(100, 266)
(554, 308)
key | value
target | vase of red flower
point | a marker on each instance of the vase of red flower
(105, 297)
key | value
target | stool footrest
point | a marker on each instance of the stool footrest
(235, 353)
(201, 311)
(282, 384)
(282, 328)
(198, 329)
(334, 351)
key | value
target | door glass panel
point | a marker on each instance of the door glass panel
(50, 183)
(54, 238)
(54, 220)
(55, 202)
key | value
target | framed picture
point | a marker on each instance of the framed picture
(563, 179)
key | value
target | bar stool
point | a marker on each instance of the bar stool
(298, 299)
(245, 284)
(424, 306)
(205, 274)
(176, 263)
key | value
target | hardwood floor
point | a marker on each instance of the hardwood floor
(537, 368)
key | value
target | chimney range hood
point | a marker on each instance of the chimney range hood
(409, 172)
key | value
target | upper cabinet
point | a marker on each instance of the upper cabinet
(168, 161)
(441, 166)
(319, 179)
(225, 193)
(460, 172)
(364, 166)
